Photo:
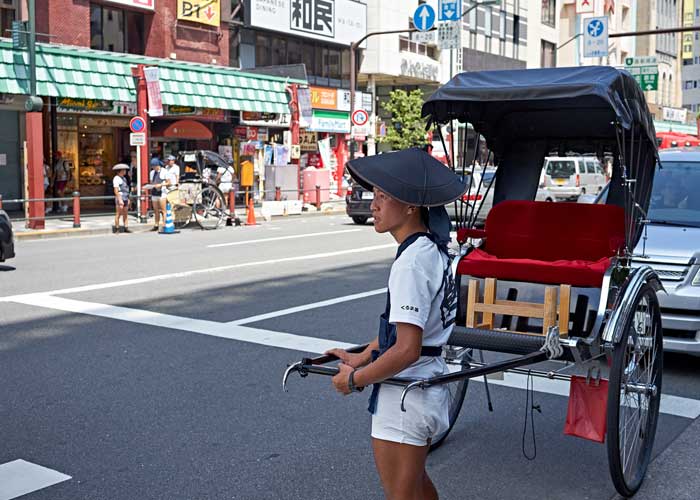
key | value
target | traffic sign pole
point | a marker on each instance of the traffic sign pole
(142, 152)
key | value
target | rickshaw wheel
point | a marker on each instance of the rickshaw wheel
(634, 393)
(456, 359)
(209, 208)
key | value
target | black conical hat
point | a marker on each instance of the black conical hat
(411, 176)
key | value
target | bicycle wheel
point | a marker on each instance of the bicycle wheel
(181, 215)
(209, 208)
(634, 393)
(456, 359)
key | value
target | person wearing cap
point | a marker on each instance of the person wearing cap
(157, 179)
(121, 198)
(173, 171)
(410, 191)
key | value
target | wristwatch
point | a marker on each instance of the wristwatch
(351, 383)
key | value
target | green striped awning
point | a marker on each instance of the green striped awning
(76, 72)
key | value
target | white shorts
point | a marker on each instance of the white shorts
(225, 187)
(426, 415)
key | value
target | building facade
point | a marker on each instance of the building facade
(690, 56)
(85, 76)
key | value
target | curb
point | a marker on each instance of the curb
(144, 228)
(69, 232)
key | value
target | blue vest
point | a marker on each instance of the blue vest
(387, 331)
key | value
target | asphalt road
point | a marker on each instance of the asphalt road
(148, 366)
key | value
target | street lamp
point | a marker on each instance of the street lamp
(355, 45)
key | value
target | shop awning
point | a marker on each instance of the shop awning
(67, 71)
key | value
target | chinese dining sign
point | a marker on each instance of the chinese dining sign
(337, 21)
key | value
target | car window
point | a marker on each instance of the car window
(488, 177)
(548, 169)
(561, 168)
(674, 197)
(599, 169)
(590, 167)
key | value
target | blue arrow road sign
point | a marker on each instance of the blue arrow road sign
(449, 10)
(424, 17)
(595, 37)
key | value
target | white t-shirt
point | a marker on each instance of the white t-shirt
(174, 171)
(414, 281)
(62, 170)
(118, 181)
(226, 174)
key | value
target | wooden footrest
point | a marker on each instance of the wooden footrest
(554, 311)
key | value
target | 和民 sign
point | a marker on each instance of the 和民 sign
(337, 21)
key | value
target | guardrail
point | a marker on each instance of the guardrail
(76, 199)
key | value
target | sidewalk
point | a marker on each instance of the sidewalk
(674, 473)
(102, 224)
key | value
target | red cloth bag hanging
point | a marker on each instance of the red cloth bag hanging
(587, 414)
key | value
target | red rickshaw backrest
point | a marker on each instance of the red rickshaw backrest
(554, 231)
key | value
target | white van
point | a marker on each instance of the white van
(568, 177)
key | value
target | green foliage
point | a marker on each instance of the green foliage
(407, 128)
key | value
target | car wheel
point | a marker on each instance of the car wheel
(549, 200)
(359, 220)
(583, 190)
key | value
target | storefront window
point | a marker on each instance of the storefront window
(116, 30)
(293, 52)
(262, 50)
(279, 52)
(8, 13)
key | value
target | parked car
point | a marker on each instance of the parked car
(670, 244)
(7, 237)
(357, 203)
(568, 177)
(483, 198)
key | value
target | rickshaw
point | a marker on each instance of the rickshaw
(197, 194)
(555, 284)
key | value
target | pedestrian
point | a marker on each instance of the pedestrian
(418, 318)
(173, 170)
(224, 178)
(47, 185)
(157, 179)
(63, 173)
(121, 198)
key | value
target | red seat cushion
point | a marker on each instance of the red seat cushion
(552, 243)
(572, 272)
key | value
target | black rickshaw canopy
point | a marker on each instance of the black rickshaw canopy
(526, 115)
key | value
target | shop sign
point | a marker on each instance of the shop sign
(337, 21)
(251, 133)
(199, 11)
(585, 6)
(208, 113)
(307, 141)
(305, 110)
(94, 106)
(279, 120)
(155, 103)
(263, 134)
(328, 121)
(323, 98)
(99, 122)
(675, 114)
(361, 100)
(240, 132)
(141, 4)
(419, 69)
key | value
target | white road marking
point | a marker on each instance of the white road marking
(306, 307)
(671, 405)
(279, 238)
(19, 477)
(204, 327)
(185, 274)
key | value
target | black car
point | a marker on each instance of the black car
(357, 203)
(7, 239)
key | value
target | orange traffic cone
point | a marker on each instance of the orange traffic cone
(251, 213)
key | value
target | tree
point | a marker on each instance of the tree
(407, 127)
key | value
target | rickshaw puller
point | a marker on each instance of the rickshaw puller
(410, 191)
